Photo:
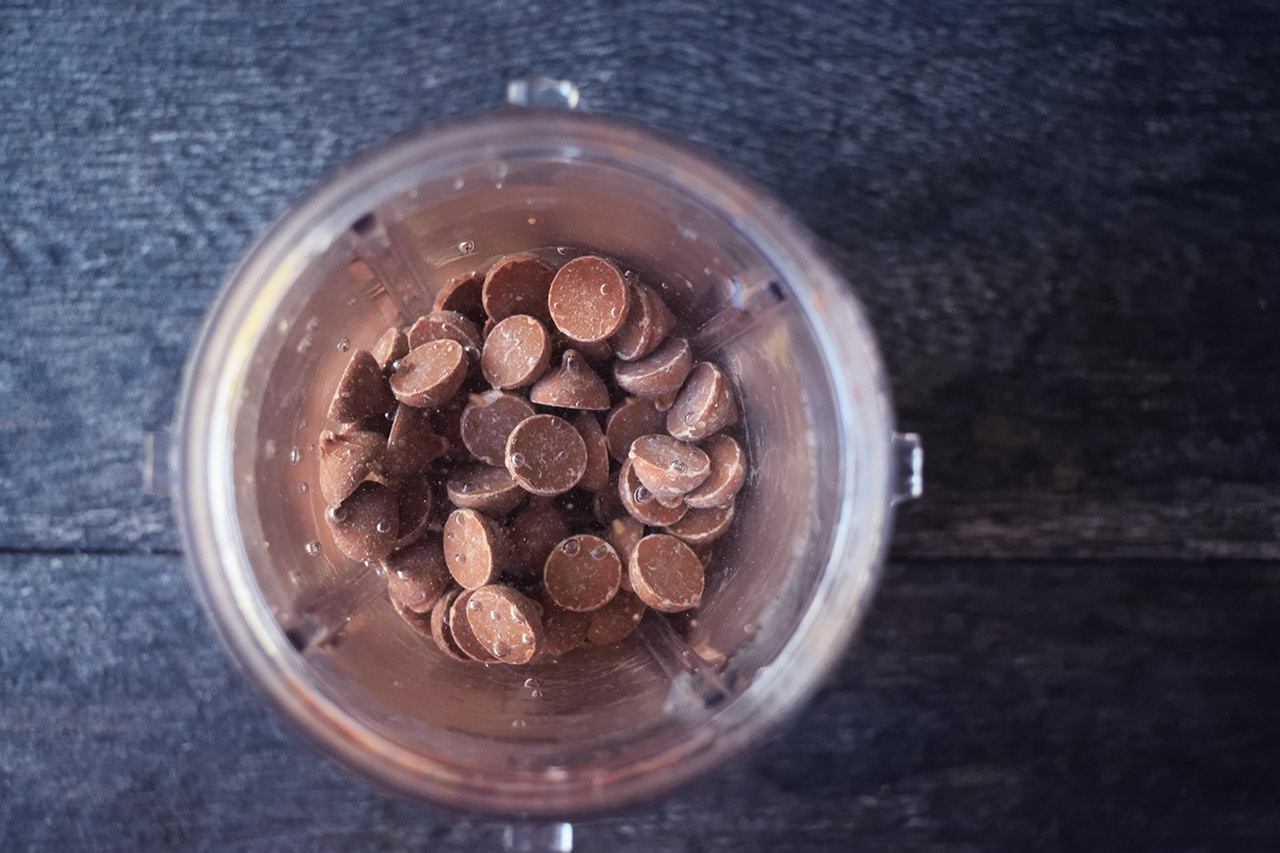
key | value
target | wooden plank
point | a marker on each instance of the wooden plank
(988, 706)
(1061, 218)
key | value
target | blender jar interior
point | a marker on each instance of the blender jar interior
(604, 725)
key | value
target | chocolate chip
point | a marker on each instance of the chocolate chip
(417, 576)
(474, 547)
(648, 323)
(629, 420)
(464, 296)
(534, 533)
(616, 620)
(365, 525)
(346, 460)
(596, 475)
(596, 352)
(506, 623)
(430, 374)
(659, 375)
(640, 503)
(487, 422)
(571, 385)
(446, 326)
(518, 285)
(606, 505)
(582, 573)
(447, 421)
(589, 299)
(705, 404)
(516, 352)
(416, 507)
(413, 443)
(700, 526)
(666, 574)
(669, 502)
(392, 346)
(460, 626)
(362, 390)
(563, 630)
(623, 533)
(419, 622)
(546, 455)
(728, 473)
(666, 467)
(705, 552)
(441, 630)
(484, 488)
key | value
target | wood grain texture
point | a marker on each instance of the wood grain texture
(988, 706)
(1061, 219)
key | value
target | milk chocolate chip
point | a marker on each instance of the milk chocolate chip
(705, 404)
(413, 444)
(582, 573)
(518, 285)
(563, 630)
(640, 503)
(624, 534)
(666, 467)
(516, 352)
(659, 375)
(392, 346)
(572, 385)
(534, 533)
(629, 420)
(464, 296)
(417, 576)
(362, 390)
(506, 623)
(474, 548)
(648, 323)
(446, 326)
(616, 620)
(666, 574)
(460, 627)
(589, 299)
(596, 475)
(484, 488)
(416, 507)
(430, 374)
(728, 473)
(487, 422)
(440, 628)
(365, 525)
(606, 505)
(346, 460)
(419, 622)
(546, 455)
(700, 526)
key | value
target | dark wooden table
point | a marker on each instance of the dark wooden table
(1064, 218)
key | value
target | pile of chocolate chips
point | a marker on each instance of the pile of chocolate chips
(559, 530)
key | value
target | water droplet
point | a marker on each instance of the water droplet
(458, 183)
(678, 466)
(533, 220)
(517, 459)
(570, 547)
(531, 682)
(466, 487)
(562, 455)
(344, 345)
(295, 455)
(497, 185)
(402, 574)
(688, 418)
(313, 548)
(383, 526)
(495, 616)
(527, 639)
(473, 605)
(749, 629)
(569, 505)
(562, 250)
(396, 365)
(613, 312)
(599, 552)
(536, 694)
(466, 247)
(500, 651)
(643, 495)
(635, 617)
(517, 724)
(458, 558)
(303, 488)
(604, 289)
(337, 513)
(269, 449)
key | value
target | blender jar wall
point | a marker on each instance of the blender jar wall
(615, 725)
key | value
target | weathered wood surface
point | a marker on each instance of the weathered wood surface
(1012, 706)
(1063, 220)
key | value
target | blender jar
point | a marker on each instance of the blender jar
(603, 728)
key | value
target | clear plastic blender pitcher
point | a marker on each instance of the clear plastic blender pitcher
(604, 728)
